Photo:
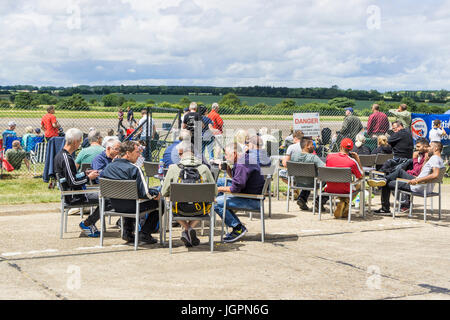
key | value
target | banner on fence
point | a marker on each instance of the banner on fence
(421, 124)
(308, 123)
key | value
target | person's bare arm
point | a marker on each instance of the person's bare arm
(427, 178)
(285, 160)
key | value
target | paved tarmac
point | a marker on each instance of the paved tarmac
(303, 258)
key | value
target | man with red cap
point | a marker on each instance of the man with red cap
(344, 159)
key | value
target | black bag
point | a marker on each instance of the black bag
(190, 174)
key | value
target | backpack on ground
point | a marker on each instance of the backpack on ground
(190, 174)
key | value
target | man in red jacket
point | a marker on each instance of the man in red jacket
(378, 122)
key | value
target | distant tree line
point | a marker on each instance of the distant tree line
(436, 96)
(229, 104)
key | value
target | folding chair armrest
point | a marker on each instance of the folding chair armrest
(245, 195)
(403, 180)
(74, 192)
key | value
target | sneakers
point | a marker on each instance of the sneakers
(342, 208)
(302, 204)
(147, 238)
(316, 204)
(90, 231)
(404, 209)
(193, 236)
(235, 234)
(382, 212)
(185, 238)
(376, 182)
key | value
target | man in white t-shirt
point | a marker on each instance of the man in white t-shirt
(429, 172)
(293, 148)
(144, 127)
(437, 132)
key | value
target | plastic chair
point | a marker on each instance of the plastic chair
(341, 175)
(65, 206)
(124, 190)
(301, 170)
(192, 192)
(150, 170)
(425, 195)
(261, 197)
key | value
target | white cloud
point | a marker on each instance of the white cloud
(296, 43)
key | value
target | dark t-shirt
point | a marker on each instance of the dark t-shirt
(190, 118)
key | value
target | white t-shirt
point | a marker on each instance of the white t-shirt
(293, 148)
(436, 134)
(427, 169)
(144, 127)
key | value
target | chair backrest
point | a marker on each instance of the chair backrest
(9, 139)
(382, 158)
(119, 189)
(151, 168)
(192, 192)
(33, 141)
(301, 169)
(85, 166)
(39, 149)
(268, 170)
(272, 148)
(368, 160)
(440, 177)
(327, 174)
(267, 180)
(215, 172)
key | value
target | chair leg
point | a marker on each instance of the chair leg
(223, 215)
(170, 228)
(203, 228)
(136, 230)
(350, 205)
(270, 204)
(410, 206)
(263, 231)
(425, 206)
(102, 221)
(314, 197)
(63, 219)
(212, 223)
(395, 199)
(288, 194)
(160, 221)
(320, 199)
(439, 201)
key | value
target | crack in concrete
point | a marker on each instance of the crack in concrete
(47, 289)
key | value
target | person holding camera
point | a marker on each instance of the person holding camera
(437, 132)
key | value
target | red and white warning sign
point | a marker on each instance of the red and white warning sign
(309, 123)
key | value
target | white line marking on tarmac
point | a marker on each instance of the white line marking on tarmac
(89, 248)
(42, 251)
(9, 254)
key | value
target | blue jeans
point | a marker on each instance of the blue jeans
(231, 220)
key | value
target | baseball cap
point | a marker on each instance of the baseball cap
(11, 123)
(186, 109)
(349, 109)
(347, 143)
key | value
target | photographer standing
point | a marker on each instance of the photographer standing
(437, 132)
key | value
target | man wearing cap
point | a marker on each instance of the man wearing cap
(344, 159)
(49, 124)
(10, 131)
(351, 125)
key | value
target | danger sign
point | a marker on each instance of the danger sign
(309, 123)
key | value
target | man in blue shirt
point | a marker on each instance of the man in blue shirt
(106, 157)
(9, 132)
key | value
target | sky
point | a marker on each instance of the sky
(359, 44)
